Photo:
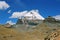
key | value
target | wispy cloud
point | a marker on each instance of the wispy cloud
(21, 3)
(57, 17)
(3, 5)
(9, 11)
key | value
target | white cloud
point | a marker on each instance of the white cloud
(3, 5)
(10, 22)
(57, 17)
(27, 14)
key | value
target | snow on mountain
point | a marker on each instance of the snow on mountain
(33, 14)
(18, 14)
(10, 22)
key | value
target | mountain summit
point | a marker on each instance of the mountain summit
(33, 14)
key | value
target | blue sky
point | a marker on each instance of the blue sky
(45, 7)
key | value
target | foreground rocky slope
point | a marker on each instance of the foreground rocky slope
(43, 31)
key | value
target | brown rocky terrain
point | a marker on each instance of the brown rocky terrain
(42, 32)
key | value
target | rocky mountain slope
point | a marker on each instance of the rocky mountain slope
(43, 31)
